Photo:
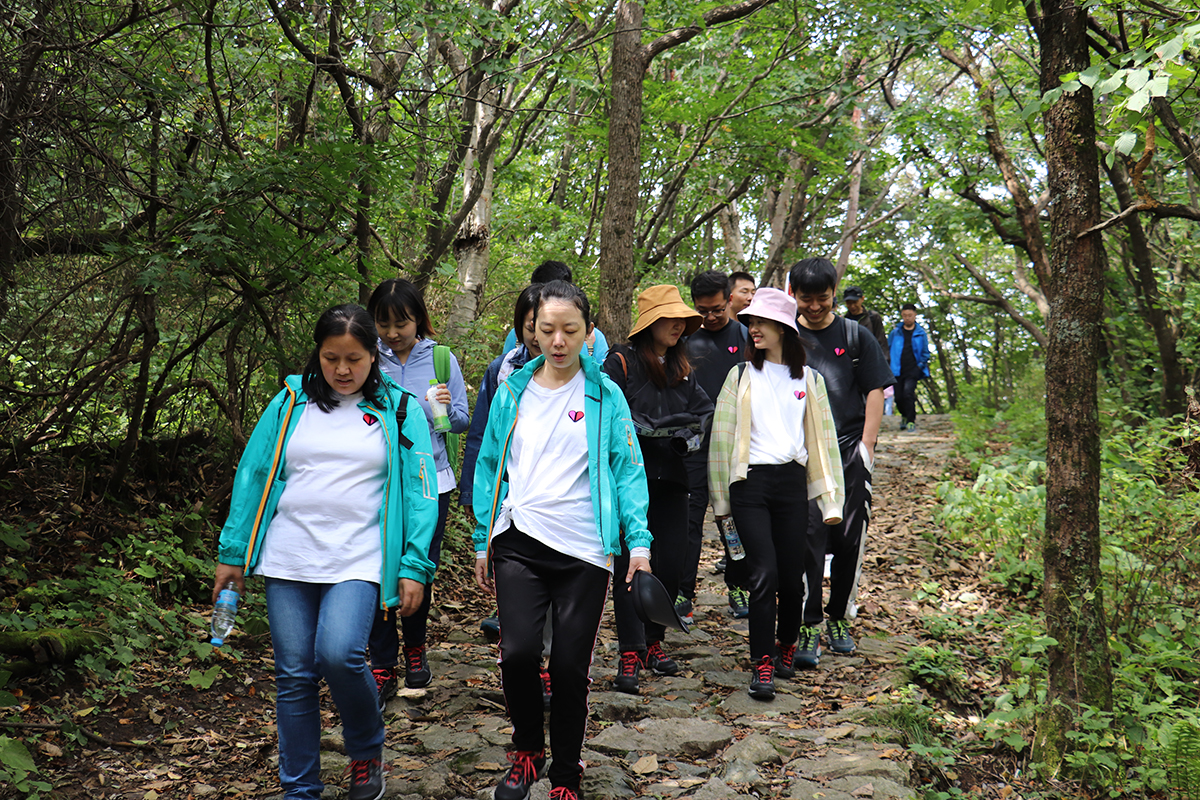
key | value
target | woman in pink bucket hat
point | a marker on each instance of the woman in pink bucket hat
(774, 447)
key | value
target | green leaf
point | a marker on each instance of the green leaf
(1125, 142)
(1137, 78)
(1090, 75)
(203, 680)
(1110, 84)
(14, 756)
(1138, 100)
(1159, 85)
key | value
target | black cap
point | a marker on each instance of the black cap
(653, 604)
(852, 293)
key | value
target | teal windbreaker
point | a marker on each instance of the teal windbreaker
(615, 470)
(410, 500)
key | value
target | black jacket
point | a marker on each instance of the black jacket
(665, 418)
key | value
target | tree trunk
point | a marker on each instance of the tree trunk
(1150, 299)
(472, 245)
(624, 174)
(1080, 670)
(856, 176)
(630, 59)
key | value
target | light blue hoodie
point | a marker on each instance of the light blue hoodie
(415, 376)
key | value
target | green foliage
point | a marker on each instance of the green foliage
(18, 770)
(132, 589)
(939, 670)
(1148, 513)
(1181, 745)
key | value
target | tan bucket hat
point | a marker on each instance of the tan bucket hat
(662, 301)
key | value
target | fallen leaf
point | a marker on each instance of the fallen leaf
(488, 766)
(50, 749)
(866, 790)
(892, 753)
(645, 765)
(412, 763)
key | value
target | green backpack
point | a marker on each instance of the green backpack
(441, 369)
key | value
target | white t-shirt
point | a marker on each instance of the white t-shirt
(549, 495)
(326, 526)
(777, 403)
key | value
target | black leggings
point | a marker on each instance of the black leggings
(783, 563)
(532, 582)
(667, 519)
(847, 539)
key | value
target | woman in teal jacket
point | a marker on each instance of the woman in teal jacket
(558, 481)
(334, 503)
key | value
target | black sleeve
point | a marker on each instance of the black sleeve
(616, 364)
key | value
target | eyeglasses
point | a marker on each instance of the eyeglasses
(712, 312)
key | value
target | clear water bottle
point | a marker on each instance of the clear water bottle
(732, 540)
(441, 414)
(224, 613)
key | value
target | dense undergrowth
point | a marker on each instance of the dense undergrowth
(1148, 744)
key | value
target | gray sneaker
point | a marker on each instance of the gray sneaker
(808, 649)
(838, 632)
(739, 603)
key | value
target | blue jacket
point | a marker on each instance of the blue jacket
(410, 506)
(415, 377)
(516, 358)
(920, 346)
(618, 481)
(599, 349)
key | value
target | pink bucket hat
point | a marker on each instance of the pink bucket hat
(772, 304)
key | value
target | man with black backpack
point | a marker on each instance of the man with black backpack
(856, 373)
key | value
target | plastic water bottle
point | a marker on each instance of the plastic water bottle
(224, 613)
(732, 540)
(441, 415)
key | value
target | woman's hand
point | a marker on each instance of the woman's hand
(637, 563)
(482, 578)
(411, 594)
(225, 574)
(443, 394)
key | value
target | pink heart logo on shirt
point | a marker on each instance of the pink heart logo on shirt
(839, 351)
(732, 349)
(575, 415)
(799, 394)
(367, 418)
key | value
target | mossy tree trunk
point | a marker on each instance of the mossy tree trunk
(1080, 671)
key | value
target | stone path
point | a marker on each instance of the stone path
(699, 734)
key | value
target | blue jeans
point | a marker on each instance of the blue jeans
(319, 630)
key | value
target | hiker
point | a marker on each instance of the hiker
(908, 347)
(716, 346)
(670, 413)
(497, 372)
(869, 318)
(557, 487)
(856, 376)
(410, 357)
(596, 343)
(329, 506)
(774, 446)
(741, 292)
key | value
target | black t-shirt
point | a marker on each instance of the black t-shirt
(713, 354)
(908, 359)
(828, 353)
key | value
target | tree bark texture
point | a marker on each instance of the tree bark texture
(630, 59)
(1080, 671)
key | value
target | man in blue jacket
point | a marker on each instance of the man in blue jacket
(908, 346)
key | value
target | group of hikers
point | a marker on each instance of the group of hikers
(584, 464)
